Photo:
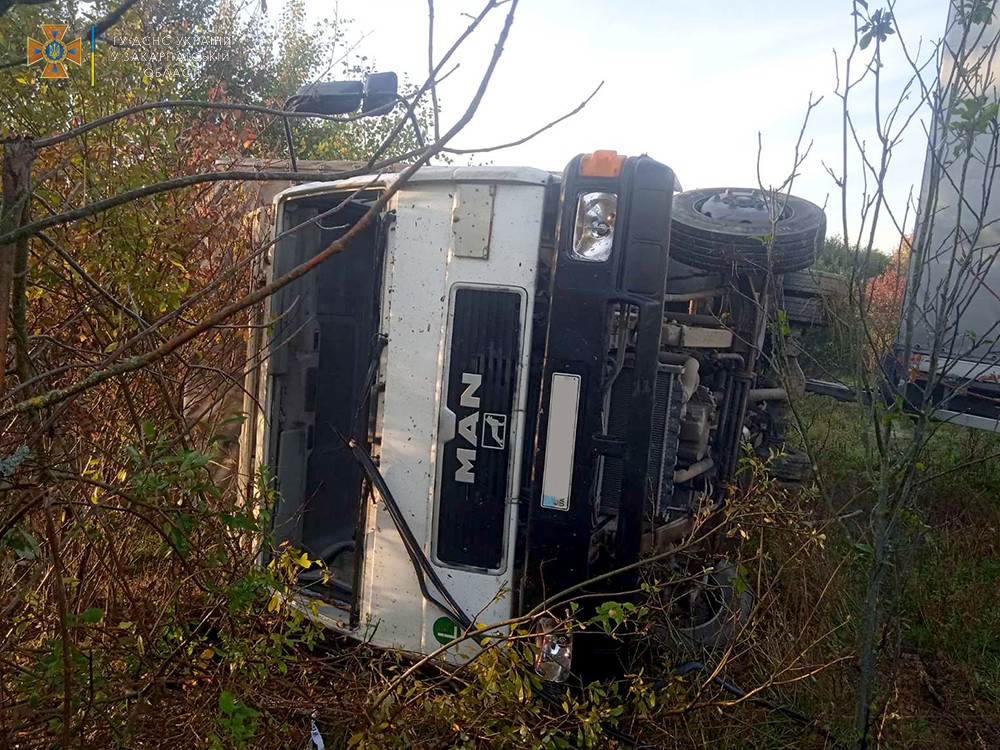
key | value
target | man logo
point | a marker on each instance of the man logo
(493, 432)
(495, 437)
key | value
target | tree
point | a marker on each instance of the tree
(129, 277)
(905, 338)
(836, 256)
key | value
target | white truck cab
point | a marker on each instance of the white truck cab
(509, 383)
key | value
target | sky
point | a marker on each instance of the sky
(696, 84)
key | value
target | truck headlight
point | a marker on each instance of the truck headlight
(595, 226)
(555, 651)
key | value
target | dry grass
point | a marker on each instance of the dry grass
(195, 659)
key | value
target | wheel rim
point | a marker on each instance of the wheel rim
(741, 207)
(701, 607)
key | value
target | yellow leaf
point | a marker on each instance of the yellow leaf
(275, 604)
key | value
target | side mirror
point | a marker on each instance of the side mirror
(377, 93)
(328, 98)
(380, 93)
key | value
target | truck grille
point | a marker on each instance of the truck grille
(482, 370)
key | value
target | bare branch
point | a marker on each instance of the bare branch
(139, 362)
(530, 136)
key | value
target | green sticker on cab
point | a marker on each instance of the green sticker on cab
(446, 630)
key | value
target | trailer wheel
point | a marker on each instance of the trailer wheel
(723, 229)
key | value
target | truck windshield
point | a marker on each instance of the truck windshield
(322, 341)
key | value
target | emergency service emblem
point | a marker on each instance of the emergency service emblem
(55, 52)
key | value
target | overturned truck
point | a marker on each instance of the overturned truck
(511, 383)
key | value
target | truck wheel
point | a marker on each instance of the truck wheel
(792, 467)
(721, 229)
(711, 612)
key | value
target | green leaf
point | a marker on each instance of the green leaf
(866, 39)
(92, 615)
(239, 418)
(24, 545)
(226, 702)
(783, 326)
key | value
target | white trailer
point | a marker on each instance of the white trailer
(947, 353)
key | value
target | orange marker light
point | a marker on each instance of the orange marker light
(601, 164)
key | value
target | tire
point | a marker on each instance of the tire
(792, 467)
(816, 284)
(806, 311)
(726, 612)
(734, 241)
